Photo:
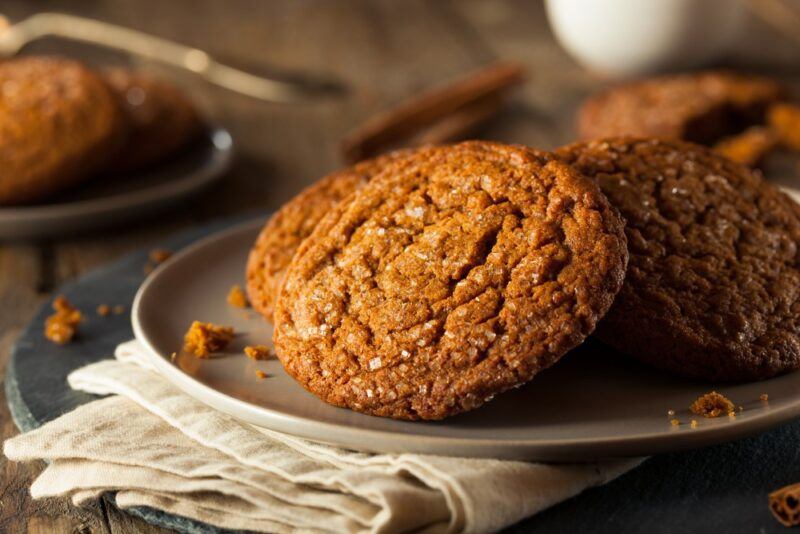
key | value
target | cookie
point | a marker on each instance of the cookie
(162, 120)
(456, 273)
(699, 107)
(713, 283)
(59, 122)
(283, 233)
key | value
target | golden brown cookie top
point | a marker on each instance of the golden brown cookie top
(59, 123)
(283, 233)
(699, 107)
(161, 119)
(713, 283)
(454, 274)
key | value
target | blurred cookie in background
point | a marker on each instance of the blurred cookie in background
(59, 122)
(749, 147)
(701, 107)
(162, 120)
(784, 119)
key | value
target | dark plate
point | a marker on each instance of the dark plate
(107, 201)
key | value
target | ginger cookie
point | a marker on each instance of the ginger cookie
(455, 274)
(162, 120)
(699, 107)
(283, 233)
(59, 121)
(713, 283)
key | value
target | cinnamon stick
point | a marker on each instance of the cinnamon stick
(785, 505)
(464, 102)
(460, 124)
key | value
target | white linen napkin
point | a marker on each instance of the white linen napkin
(156, 446)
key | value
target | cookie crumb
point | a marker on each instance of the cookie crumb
(156, 256)
(764, 397)
(103, 310)
(711, 405)
(670, 413)
(674, 422)
(237, 298)
(119, 309)
(204, 338)
(741, 408)
(258, 352)
(261, 375)
(732, 415)
(694, 423)
(785, 505)
(62, 326)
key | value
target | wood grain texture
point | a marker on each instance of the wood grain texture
(383, 49)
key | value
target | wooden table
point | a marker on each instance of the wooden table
(384, 51)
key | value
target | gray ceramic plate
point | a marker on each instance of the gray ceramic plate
(104, 203)
(593, 404)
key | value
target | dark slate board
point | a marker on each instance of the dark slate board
(718, 489)
(36, 377)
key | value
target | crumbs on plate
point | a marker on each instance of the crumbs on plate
(237, 297)
(258, 352)
(712, 405)
(62, 326)
(203, 339)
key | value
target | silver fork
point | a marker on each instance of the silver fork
(14, 37)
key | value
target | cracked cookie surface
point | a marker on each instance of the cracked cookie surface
(283, 233)
(455, 274)
(713, 283)
(700, 107)
(59, 124)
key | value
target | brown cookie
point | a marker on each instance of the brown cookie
(162, 120)
(59, 122)
(455, 274)
(713, 283)
(699, 107)
(283, 233)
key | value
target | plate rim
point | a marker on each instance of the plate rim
(383, 441)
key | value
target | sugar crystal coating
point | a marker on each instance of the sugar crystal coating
(496, 260)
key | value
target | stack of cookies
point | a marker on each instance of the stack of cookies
(420, 284)
(62, 124)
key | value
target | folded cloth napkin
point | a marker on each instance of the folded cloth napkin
(155, 446)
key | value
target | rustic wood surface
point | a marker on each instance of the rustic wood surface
(384, 50)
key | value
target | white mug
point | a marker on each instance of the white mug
(633, 37)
